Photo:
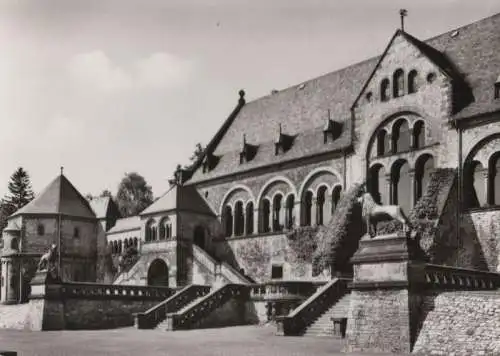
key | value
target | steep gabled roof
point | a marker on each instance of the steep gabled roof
(470, 54)
(100, 206)
(179, 198)
(59, 197)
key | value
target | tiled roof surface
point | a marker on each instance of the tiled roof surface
(130, 223)
(179, 198)
(59, 197)
(471, 54)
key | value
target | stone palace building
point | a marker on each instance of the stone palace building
(419, 124)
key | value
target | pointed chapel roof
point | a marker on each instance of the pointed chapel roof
(179, 198)
(59, 197)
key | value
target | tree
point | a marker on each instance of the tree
(20, 194)
(134, 194)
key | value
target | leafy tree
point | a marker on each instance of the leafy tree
(134, 194)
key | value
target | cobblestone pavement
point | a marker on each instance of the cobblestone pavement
(245, 340)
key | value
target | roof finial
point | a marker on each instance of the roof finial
(62, 169)
(403, 13)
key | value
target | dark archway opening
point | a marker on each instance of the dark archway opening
(158, 274)
(199, 237)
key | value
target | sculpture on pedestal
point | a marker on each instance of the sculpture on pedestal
(47, 262)
(373, 213)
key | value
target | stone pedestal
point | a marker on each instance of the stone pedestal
(46, 302)
(384, 291)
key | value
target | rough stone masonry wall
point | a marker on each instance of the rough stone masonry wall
(378, 315)
(460, 323)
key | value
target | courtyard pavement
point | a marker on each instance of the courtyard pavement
(244, 341)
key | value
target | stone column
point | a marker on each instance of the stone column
(385, 295)
(314, 212)
(256, 220)
(390, 189)
(413, 184)
(485, 178)
(297, 211)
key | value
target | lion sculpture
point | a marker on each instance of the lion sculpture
(373, 213)
(47, 261)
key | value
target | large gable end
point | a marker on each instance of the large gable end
(399, 70)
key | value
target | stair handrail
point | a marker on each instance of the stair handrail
(241, 277)
(304, 315)
(155, 315)
(185, 318)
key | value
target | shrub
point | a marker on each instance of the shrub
(303, 241)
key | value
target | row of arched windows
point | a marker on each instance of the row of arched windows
(398, 84)
(482, 184)
(401, 185)
(155, 232)
(278, 213)
(120, 246)
(402, 138)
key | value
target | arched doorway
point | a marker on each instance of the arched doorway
(199, 237)
(158, 273)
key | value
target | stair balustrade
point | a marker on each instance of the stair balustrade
(155, 315)
(190, 316)
(295, 323)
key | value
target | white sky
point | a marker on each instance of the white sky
(104, 87)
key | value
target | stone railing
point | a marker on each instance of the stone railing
(68, 290)
(193, 314)
(152, 317)
(444, 277)
(282, 290)
(300, 318)
(232, 274)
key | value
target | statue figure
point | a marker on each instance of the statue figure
(47, 261)
(374, 213)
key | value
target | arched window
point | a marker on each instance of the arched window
(162, 229)
(320, 205)
(336, 197)
(150, 231)
(475, 194)
(264, 215)
(76, 232)
(398, 83)
(494, 179)
(418, 135)
(423, 169)
(401, 185)
(384, 89)
(228, 221)
(239, 219)
(376, 184)
(290, 218)
(120, 246)
(277, 220)
(401, 136)
(40, 229)
(381, 142)
(412, 82)
(136, 242)
(308, 208)
(249, 218)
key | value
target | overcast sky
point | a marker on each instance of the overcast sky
(104, 87)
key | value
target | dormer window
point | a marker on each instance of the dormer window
(209, 162)
(332, 129)
(247, 151)
(282, 142)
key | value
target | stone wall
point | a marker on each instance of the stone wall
(378, 315)
(237, 311)
(460, 323)
(257, 255)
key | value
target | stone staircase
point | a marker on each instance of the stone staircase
(153, 317)
(164, 324)
(323, 326)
